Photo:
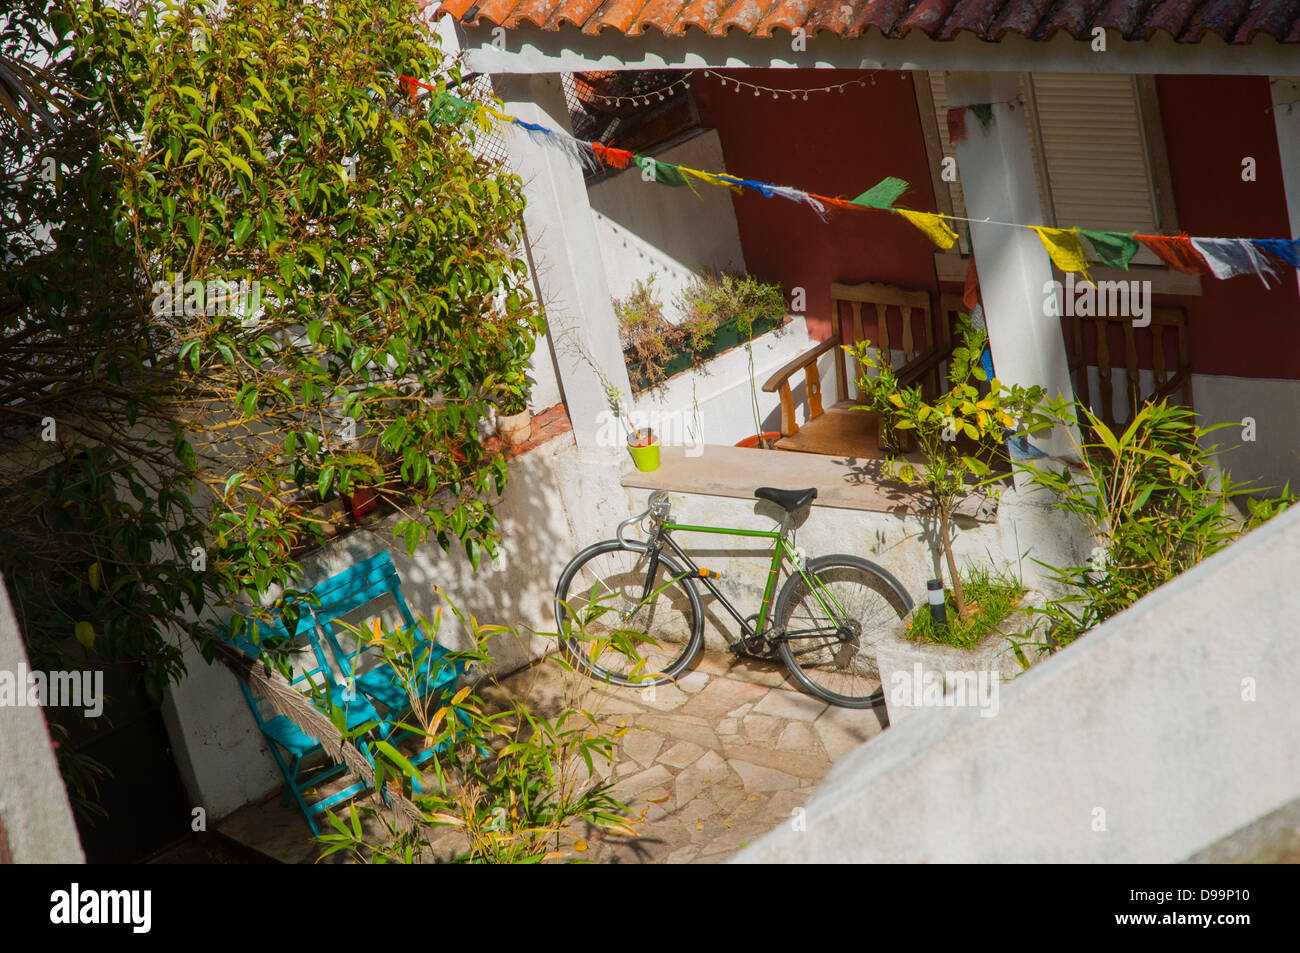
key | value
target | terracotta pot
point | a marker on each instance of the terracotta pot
(770, 437)
(364, 500)
(515, 429)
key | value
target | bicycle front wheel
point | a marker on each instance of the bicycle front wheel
(831, 622)
(617, 632)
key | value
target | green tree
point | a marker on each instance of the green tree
(384, 301)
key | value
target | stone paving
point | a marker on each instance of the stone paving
(707, 764)
(718, 759)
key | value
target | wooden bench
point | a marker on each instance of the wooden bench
(839, 429)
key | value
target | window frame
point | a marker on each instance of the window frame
(951, 265)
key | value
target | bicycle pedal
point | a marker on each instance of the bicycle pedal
(754, 645)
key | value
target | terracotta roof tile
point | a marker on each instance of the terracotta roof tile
(1187, 21)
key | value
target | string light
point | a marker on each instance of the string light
(643, 99)
(777, 93)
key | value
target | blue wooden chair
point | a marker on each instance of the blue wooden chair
(367, 582)
(290, 745)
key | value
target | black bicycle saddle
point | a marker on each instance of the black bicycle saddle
(788, 500)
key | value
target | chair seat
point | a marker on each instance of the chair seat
(382, 684)
(358, 707)
(285, 732)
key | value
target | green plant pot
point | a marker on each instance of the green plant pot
(645, 457)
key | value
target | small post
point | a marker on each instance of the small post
(938, 609)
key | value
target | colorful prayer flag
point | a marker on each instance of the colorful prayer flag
(1063, 246)
(1177, 252)
(665, 173)
(883, 194)
(1228, 257)
(1115, 249)
(1287, 249)
(933, 225)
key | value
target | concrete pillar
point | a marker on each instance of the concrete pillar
(565, 256)
(1286, 119)
(997, 176)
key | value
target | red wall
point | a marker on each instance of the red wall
(1211, 123)
(842, 143)
(834, 144)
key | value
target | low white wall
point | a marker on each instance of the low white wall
(1272, 457)
(223, 757)
(646, 229)
(37, 818)
(1164, 730)
(721, 390)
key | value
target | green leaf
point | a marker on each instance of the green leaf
(85, 633)
(243, 228)
(1106, 437)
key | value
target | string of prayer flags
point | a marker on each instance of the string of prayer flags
(932, 225)
(614, 158)
(712, 179)
(883, 194)
(1287, 250)
(1063, 247)
(794, 195)
(1220, 257)
(1115, 249)
(1234, 256)
(1177, 252)
(664, 173)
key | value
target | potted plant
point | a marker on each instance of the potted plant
(956, 433)
(514, 422)
(643, 445)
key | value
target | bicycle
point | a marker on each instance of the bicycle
(826, 619)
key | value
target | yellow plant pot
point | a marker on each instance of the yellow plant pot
(644, 447)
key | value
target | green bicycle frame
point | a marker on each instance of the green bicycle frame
(782, 548)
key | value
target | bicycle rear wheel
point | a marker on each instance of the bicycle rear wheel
(830, 629)
(598, 604)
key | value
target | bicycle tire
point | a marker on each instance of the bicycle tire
(809, 661)
(666, 663)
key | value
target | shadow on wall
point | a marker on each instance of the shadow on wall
(516, 592)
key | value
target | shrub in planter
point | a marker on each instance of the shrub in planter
(953, 467)
(1155, 501)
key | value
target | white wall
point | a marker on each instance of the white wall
(223, 757)
(1273, 457)
(722, 391)
(1164, 730)
(647, 229)
(38, 821)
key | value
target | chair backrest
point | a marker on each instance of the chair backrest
(1168, 329)
(320, 676)
(911, 340)
(349, 590)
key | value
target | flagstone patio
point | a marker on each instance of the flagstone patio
(707, 765)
